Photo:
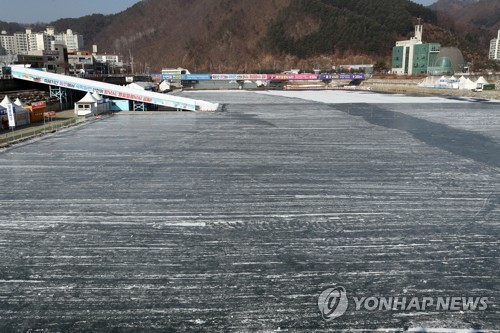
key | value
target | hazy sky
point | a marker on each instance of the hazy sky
(31, 11)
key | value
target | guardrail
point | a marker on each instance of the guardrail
(23, 134)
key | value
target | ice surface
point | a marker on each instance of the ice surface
(237, 220)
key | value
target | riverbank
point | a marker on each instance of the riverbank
(410, 87)
(62, 120)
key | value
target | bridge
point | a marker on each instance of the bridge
(111, 90)
(263, 77)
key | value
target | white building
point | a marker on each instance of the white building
(108, 63)
(7, 43)
(39, 41)
(13, 44)
(22, 42)
(406, 48)
(71, 40)
(495, 48)
(108, 58)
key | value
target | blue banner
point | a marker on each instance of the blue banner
(197, 77)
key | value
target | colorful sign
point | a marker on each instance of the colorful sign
(224, 77)
(241, 77)
(37, 105)
(171, 77)
(197, 77)
(359, 76)
(291, 77)
(156, 77)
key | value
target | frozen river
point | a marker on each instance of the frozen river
(238, 220)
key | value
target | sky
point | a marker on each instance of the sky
(45, 11)
(32, 11)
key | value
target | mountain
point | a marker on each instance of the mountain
(10, 27)
(473, 22)
(472, 14)
(252, 35)
(271, 35)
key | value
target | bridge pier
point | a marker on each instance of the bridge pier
(139, 106)
(64, 95)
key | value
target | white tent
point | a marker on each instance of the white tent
(22, 115)
(87, 105)
(6, 101)
(96, 95)
(18, 102)
(462, 83)
(480, 83)
(482, 80)
(469, 85)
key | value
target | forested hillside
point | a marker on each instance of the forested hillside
(366, 26)
(255, 35)
(261, 35)
(471, 15)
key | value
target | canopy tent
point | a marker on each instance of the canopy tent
(96, 95)
(482, 80)
(6, 101)
(18, 102)
(21, 114)
(468, 84)
(18, 105)
(4, 122)
(87, 105)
